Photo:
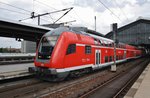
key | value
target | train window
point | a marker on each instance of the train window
(96, 41)
(106, 59)
(104, 44)
(87, 49)
(110, 58)
(117, 57)
(116, 45)
(100, 42)
(107, 44)
(112, 44)
(71, 49)
(120, 46)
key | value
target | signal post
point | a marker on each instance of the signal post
(114, 30)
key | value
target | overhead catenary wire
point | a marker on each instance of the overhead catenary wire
(18, 11)
(30, 11)
(14, 11)
(109, 10)
(14, 6)
(30, 18)
(45, 5)
(80, 18)
(63, 15)
(39, 15)
(21, 13)
(50, 7)
(56, 10)
(121, 10)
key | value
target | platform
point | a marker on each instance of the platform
(14, 70)
(141, 88)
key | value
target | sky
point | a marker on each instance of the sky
(106, 11)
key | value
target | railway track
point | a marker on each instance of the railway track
(129, 83)
(67, 89)
(8, 86)
(118, 86)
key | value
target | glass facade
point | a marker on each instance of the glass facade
(137, 34)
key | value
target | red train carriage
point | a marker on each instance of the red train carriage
(64, 52)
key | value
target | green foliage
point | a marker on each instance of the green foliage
(3, 50)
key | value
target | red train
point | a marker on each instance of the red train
(63, 51)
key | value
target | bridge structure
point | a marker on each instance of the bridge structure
(19, 30)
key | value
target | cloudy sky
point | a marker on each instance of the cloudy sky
(106, 11)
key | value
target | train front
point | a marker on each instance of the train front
(47, 56)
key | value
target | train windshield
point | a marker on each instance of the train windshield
(46, 47)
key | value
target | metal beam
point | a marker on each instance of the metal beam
(25, 31)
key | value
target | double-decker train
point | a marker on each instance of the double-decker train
(65, 52)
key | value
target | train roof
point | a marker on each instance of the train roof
(58, 31)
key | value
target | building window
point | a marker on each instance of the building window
(87, 49)
(71, 49)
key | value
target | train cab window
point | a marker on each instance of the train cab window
(87, 49)
(46, 47)
(71, 49)
(106, 59)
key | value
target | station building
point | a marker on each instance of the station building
(135, 33)
(28, 47)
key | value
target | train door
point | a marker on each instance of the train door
(124, 56)
(97, 57)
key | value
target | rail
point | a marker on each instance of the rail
(119, 93)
